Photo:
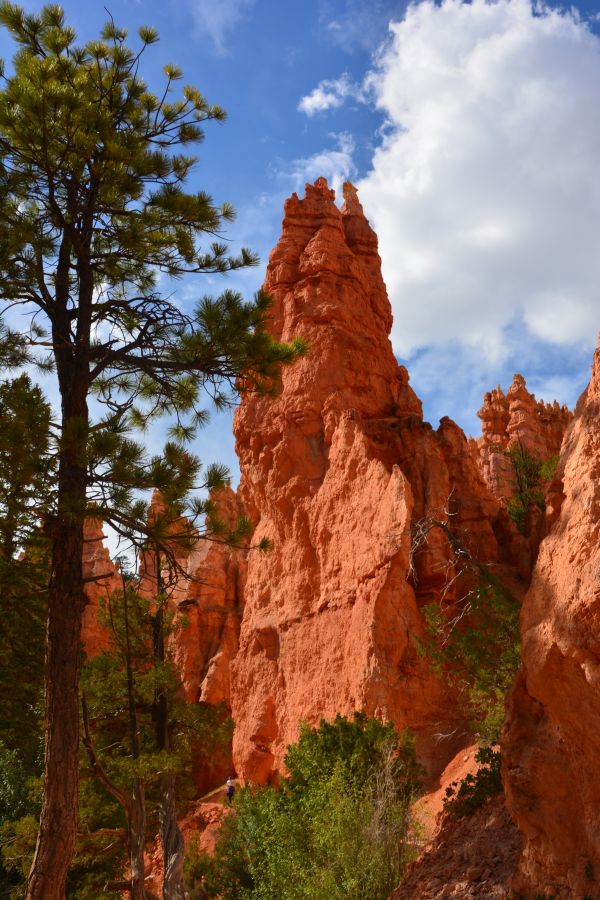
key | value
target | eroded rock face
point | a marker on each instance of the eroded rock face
(206, 596)
(516, 418)
(552, 735)
(335, 472)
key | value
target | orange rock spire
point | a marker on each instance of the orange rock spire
(516, 418)
(335, 471)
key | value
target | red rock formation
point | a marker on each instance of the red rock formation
(335, 471)
(101, 578)
(516, 418)
(552, 735)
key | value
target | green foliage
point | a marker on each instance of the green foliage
(105, 681)
(530, 475)
(17, 840)
(26, 467)
(23, 604)
(26, 473)
(96, 223)
(131, 621)
(26, 477)
(336, 827)
(477, 648)
(472, 792)
(14, 786)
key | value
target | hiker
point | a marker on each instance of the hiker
(230, 790)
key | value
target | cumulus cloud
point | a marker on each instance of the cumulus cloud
(330, 94)
(217, 18)
(485, 190)
(337, 165)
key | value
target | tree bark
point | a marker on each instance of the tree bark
(58, 820)
(66, 602)
(172, 842)
(137, 839)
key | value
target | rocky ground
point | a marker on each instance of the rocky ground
(473, 856)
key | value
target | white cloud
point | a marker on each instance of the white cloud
(485, 191)
(335, 165)
(217, 17)
(330, 94)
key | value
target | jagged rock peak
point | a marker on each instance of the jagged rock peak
(334, 471)
(316, 234)
(517, 418)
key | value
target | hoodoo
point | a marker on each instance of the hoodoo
(336, 471)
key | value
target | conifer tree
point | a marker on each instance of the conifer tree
(95, 222)
(139, 732)
(26, 475)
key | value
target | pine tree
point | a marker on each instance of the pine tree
(93, 209)
(26, 475)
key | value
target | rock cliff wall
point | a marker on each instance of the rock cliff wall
(551, 743)
(336, 472)
(339, 471)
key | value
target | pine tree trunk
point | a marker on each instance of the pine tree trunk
(171, 838)
(172, 843)
(137, 840)
(66, 602)
(58, 820)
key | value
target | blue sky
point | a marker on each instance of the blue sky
(473, 134)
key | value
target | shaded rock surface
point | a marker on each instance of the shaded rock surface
(206, 598)
(474, 856)
(551, 744)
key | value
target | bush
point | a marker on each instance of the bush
(472, 792)
(476, 646)
(530, 475)
(336, 827)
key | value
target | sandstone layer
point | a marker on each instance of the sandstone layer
(336, 472)
(551, 744)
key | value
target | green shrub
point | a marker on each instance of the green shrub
(530, 475)
(462, 799)
(475, 645)
(336, 827)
